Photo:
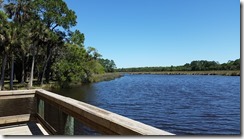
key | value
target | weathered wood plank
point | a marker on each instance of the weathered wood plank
(25, 129)
(18, 106)
(16, 96)
(17, 92)
(15, 119)
(22, 130)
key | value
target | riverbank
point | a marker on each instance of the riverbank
(106, 76)
(224, 73)
(54, 84)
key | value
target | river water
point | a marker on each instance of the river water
(180, 104)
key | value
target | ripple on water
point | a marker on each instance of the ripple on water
(181, 104)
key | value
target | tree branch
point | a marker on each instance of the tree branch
(54, 27)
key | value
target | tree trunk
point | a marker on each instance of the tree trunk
(40, 76)
(26, 69)
(44, 69)
(23, 70)
(48, 70)
(3, 71)
(12, 73)
(32, 72)
(47, 65)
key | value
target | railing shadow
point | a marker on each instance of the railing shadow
(35, 130)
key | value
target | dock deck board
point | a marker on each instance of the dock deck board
(30, 128)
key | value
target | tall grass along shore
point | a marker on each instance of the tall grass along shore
(224, 73)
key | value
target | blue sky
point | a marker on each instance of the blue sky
(139, 33)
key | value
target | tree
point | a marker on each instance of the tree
(92, 53)
(18, 13)
(69, 68)
(37, 35)
(4, 27)
(54, 13)
(109, 65)
(77, 38)
(196, 65)
(3, 30)
(56, 39)
(237, 64)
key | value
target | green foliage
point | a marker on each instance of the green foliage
(77, 38)
(55, 13)
(31, 39)
(74, 67)
(68, 69)
(109, 65)
(201, 65)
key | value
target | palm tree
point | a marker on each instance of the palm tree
(4, 47)
(37, 36)
(19, 12)
(12, 45)
(8, 33)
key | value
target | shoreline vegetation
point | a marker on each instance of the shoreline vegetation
(196, 67)
(54, 84)
(224, 73)
(111, 76)
(106, 77)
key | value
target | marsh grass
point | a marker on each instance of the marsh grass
(106, 76)
(221, 72)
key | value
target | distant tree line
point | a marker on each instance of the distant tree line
(198, 65)
(36, 43)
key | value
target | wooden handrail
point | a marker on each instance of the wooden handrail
(41, 101)
(101, 120)
(17, 92)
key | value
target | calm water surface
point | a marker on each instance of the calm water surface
(180, 104)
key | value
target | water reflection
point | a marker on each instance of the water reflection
(85, 93)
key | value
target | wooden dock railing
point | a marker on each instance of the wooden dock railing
(17, 107)
(62, 115)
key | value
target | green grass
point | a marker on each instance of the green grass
(19, 86)
(222, 72)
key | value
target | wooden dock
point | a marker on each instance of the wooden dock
(40, 112)
(30, 128)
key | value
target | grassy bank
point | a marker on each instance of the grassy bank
(95, 78)
(19, 86)
(54, 84)
(106, 76)
(225, 73)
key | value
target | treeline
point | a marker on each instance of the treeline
(200, 65)
(109, 65)
(36, 43)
